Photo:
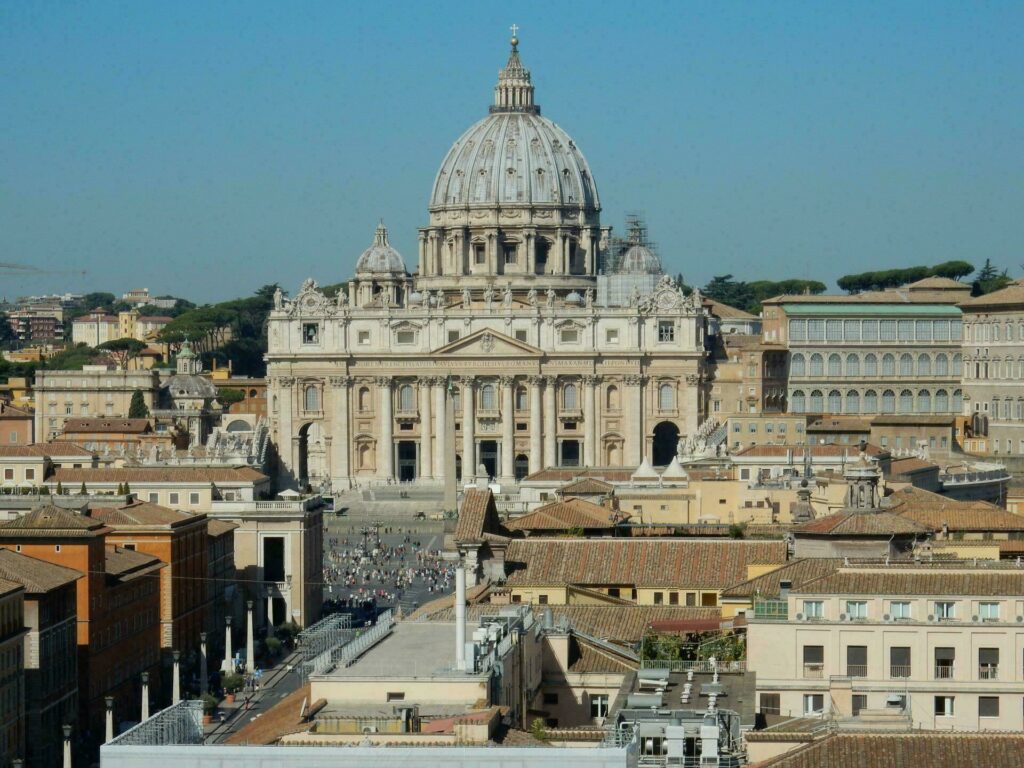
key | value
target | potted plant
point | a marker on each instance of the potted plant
(273, 646)
(209, 707)
(232, 684)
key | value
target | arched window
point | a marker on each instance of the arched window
(871, 365)
(798, 365)
(853, 401)
(406, 398)
(817, 365)
(942, 401)
(852, 365)
(835, 365)
(958, 401)
(666, 397)
(522, 399)
(1008, 330)
(924, 365)
(871, 401)
(906, 401)
(888, 401)
(569, 399)
(888, 365)
(906, 365)
(364, 399)
(817, 401)
(941, 365)
(995, 331)
(835, 401)
(797, 401)
(611, 398)
(958, 364)
(311, 398)
(924, 401)
(488, 398)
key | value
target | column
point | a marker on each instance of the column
(634, 432)
(270, 612)
(109, 735)
(589, 419)
(284, 423)
(341, 471)
(536, 457)
(145, 696)
(468, 431)
(176, 679)
(440, 457)
(67, 745)
(508, 428)
(248, 638)
(226, 666)
(550, 422)
(203, 672)
(385, 446)
(426, 456)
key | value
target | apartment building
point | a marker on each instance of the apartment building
(94, 391)
(943, 642)
(881, 352)
(95, 328)
(993, 349)
(12, 670)
(16, 425)
(50, 652)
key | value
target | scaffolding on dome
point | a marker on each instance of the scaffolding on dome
(180, 723)
(615, 289)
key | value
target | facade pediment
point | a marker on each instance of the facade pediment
(488, 343)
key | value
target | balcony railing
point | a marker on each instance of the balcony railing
(856, 670)
(899, 670)
(944, 672)
(988, 672)
(815, 671)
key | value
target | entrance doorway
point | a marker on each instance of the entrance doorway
(666, 442)
(406, 460)
(302, 470)
(278, 611)
(570, 453)
(522, 466)
(489, 456)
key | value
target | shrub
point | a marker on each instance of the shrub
(209, 703)
(273, 646)
(232, 683)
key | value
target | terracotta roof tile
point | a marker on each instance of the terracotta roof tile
(44, 449)
(563, 515)
(157, 475)
(127, 563)
(141, 514)
(91, 426)
(38, 576)
(949, 750)
(609, 474)
(855, 523)
(641, 562)
(50, 520)
(934, 511)
(798, 572)
(905, 579)
(586, 486)
(478, 517)
(1011, 295)
(215, 527)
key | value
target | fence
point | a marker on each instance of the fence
(702, 666)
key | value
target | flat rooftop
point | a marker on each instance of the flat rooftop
(413, 649)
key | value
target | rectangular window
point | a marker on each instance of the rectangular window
(940, 330)
(851, 330)
(479, 253)
(405, 337)
(814, 703)
(815, 330)
(509, 252)
(666, 330)
(856, 609)
(396, 695)
(956, 330)
(364, 338)
(833, 330)
(542, 599)
(771, 703)
(673, 598)
(453, 336)
(869, 330)
(659, 598)
(814, 661)
(988, 663)
(857, 661)
(798, 330)
(923, 330)
(154, 498)
(988, 706)
(172, 498)
(520, 334)
(944, 706)
(899, 661)
(193, 498)
(988, 611)
(310, 333)
(611, 336)
(945, 611)
(569, 335)
(899, 609)
(8, 474)
(945, 658)
(859, 702)
(887, 330)
(598, 705)
(814, 609)
(273, 558)
(906, 330)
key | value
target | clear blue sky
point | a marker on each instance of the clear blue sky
(203, 149)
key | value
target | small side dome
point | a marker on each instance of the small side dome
(415, 297)
(380, 258)
(574, 298)
(640, 260)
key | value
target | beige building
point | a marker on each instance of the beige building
(943, 642)
(895, 351)
(503, 313)
(96, 390)
(747, 375)
(94, 328)
(993, 348)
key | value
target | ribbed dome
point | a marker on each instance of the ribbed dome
(639, 260)
(380, 257)
(514, 156)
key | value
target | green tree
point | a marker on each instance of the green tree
(60, 488)
(82, 491)
(989, 280)
(228, 396)
(954, 270)
(123, 351)
(137, 408)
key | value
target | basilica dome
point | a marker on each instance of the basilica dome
(514, 157)
(639, 260)
(380, 258)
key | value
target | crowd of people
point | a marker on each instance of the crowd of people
(361, 569)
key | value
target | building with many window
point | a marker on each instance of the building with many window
(993, 349)
(883, 352)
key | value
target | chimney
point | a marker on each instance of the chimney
(460, 618)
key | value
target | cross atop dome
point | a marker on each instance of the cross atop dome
(514, 92)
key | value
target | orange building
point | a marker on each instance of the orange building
(17, 426)
(117, 604)
(178, 539)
